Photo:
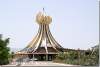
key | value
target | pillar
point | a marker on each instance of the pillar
(33, 57)
(46, 57)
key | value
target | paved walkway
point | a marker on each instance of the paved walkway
(39, 63)
(44, 63)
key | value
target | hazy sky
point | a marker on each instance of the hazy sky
(75, 22)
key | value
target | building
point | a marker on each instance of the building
(43, 46)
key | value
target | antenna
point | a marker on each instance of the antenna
(44, 11)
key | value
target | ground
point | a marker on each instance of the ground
(38, 63)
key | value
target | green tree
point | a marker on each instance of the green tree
(95, 54)
(80, 57)
(4, 51)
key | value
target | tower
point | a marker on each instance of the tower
(43, 46)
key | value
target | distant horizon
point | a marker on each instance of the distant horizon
(75, 23)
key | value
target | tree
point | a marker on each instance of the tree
(4, 51)
(80, 57)
(95, 54)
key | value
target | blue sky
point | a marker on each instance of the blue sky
(75, 22)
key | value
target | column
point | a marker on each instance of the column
(33, 57)
(46, 57)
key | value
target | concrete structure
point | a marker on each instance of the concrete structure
(43, 46)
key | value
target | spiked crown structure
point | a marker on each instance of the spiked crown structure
(43, 42)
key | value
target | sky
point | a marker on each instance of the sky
(75, 23)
